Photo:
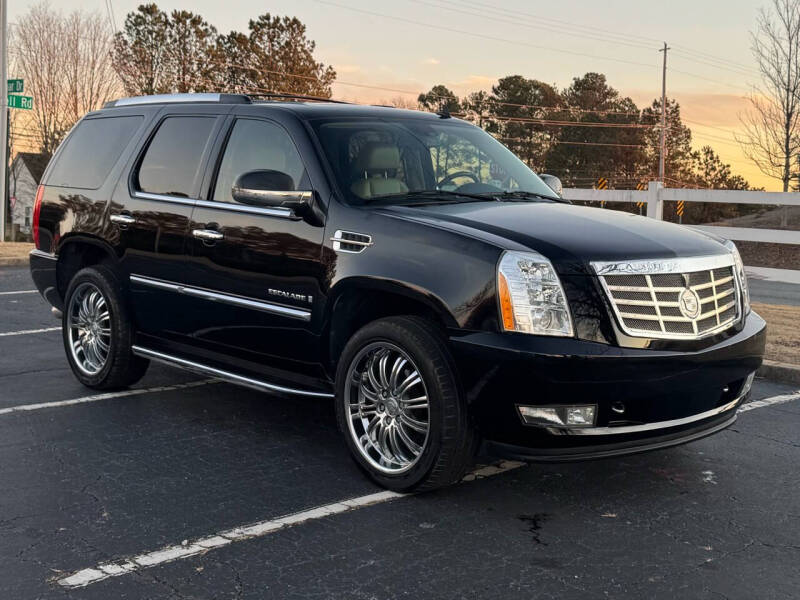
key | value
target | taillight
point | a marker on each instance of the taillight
(37, 209)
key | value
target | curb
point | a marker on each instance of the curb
(778, 371)
(15, 262)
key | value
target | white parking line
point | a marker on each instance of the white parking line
(253, 530)
(29, 331)
(18, 292)
(201, 545)
(106, 396)
(782, 399)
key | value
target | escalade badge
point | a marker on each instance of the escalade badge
(689, 304)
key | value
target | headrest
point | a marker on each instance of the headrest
(376, 156)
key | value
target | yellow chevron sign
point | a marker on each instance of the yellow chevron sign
(602, 184)
(641, 187)
(681, 204)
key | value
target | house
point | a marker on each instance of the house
(23, 179)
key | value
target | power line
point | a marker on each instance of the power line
(569, 143)
(110, 11)
(482, 36)
(623, 38)
(591, 35)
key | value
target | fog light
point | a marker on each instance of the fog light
(580, 415)
(564, 416)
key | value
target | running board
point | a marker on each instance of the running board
(191, 365)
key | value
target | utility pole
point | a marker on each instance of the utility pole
(663, 116)
(3, 117)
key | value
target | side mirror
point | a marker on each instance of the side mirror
(271, 189)
(553, 182)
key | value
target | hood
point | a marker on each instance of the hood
(570, 236)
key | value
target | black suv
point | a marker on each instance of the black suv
(405, 264)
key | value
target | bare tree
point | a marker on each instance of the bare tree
(66, 64)
(771, 136)
(90, 78)
(40, 62)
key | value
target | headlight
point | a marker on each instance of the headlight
(740, 275)
(531, 297)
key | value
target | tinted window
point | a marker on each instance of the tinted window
(92, 150)
(172, 161)
(256, 145)
(392, 158)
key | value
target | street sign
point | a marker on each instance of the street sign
(16, 86)
(25, 102)
(602, 184)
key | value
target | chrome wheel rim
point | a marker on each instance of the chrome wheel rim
(89, 328)
(387, 407)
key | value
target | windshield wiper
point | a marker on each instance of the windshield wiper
(430, 195)
(517, 195)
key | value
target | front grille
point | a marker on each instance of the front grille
(680, 298)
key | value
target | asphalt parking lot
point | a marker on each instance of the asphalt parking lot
(150, 494)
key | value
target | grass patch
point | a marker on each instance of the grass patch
(783, 333)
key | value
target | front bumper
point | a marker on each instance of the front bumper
(666, 397)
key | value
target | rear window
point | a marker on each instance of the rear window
(171, 164)
(91, 151)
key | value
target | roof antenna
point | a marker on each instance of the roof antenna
(444, 111)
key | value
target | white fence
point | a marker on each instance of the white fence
(656, 194)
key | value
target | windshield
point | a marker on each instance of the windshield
(409, 160)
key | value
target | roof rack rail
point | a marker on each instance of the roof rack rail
(297, 97)
(171, 98)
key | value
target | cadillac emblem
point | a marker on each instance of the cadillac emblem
(689, 303)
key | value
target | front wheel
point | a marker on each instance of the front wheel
(400, 407)
(98, 332)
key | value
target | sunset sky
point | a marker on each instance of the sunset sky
(407, 46)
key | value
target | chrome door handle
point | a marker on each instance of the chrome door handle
(207, 235)
(122, 220)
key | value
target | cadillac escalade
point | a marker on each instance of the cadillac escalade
(405, 265)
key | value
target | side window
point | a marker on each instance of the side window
(91, 151)
(257, 145)
(171, 163)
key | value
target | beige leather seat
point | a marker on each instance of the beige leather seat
(377, 164)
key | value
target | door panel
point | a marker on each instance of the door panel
(264, 271)
(151, 213)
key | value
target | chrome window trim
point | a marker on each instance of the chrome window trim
(276, 195)
(164, 198)
(648, 267)
(283, 213)
(276, 211)
(646, 426)
(269, 307)
(222, 374)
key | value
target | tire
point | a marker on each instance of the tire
(98, 340)
(448, 448)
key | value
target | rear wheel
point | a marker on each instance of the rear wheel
(400, 407)
(98, 333)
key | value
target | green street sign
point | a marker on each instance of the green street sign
(25, 102)
(16, 86)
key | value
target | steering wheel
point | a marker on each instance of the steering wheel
(449, 178)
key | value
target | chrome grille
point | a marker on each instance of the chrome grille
(679, 298)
